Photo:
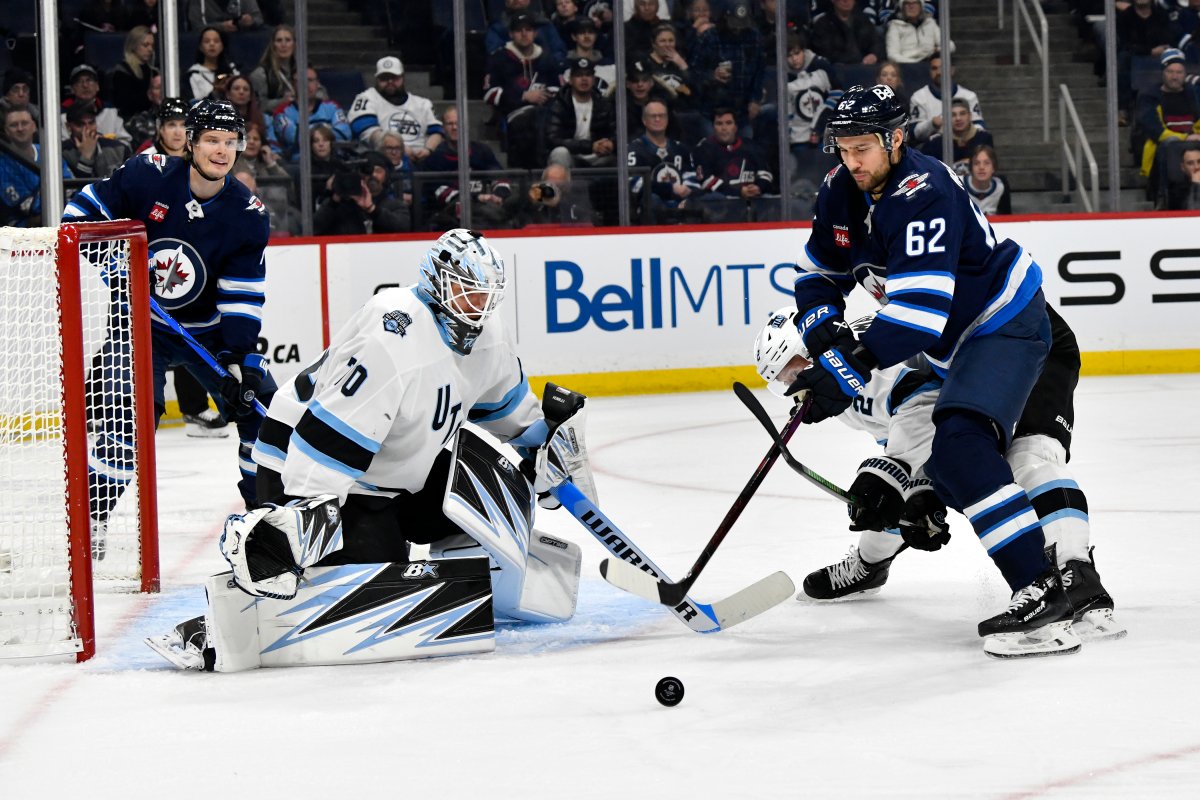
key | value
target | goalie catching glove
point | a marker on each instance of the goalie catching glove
(268, 548)
(564, 455)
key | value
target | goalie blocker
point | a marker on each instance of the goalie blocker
(306, 613)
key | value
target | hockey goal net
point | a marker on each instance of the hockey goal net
(77, 494)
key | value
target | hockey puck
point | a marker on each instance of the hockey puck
(669, 691)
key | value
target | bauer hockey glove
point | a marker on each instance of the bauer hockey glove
(879, 488)
(923, 524)
(823, 328)
(835, 378)
(240, 387)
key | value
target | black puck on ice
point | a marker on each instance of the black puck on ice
(669, 691)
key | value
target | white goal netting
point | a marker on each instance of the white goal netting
(67, 408)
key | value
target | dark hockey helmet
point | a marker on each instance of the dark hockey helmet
(863, 111)
(215, 115)
(171, 108)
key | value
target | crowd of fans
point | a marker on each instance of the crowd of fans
(699, 84)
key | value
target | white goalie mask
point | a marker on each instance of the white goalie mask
(779, 352)
(464, 278)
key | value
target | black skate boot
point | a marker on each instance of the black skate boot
(1037, 621)
(186, 646)
(1093, 605)
(208, 424)
(850, 577)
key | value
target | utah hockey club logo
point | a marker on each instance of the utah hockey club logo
(159, 212)
(396, 322)
(179, 273)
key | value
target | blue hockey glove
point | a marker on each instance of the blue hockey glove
(834, 379)
(241, 386)
(823, 328)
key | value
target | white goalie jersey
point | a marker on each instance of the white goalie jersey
(372, 414)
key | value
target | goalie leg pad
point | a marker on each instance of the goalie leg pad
(1039, 465)
(548, 589)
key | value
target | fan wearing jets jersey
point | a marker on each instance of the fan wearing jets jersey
(207, 238)
(901, 224)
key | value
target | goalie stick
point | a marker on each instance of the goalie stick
(661, 590)
(700, 617)
(197, 348)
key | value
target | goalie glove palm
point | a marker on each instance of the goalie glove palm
(268, 548)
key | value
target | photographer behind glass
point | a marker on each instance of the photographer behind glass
(362, 201)
(551, 201)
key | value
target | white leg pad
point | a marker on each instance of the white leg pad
(549, 588)
(232, 625)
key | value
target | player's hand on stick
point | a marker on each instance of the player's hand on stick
(240, 388)
(879, 488)
(834, 380)
(923, 523)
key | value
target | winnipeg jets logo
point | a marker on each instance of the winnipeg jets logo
(874, 279)
(179, 273)
(829, 175)
(256, 205)
(157, 160)
(911, 185)
(404, 124)
(396, 322)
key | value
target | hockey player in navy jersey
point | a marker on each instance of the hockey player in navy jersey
(207, 239)
(899, 223)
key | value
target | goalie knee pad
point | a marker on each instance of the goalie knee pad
(268, 548)
(1038, 464)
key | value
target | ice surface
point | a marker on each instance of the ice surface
(889, 696)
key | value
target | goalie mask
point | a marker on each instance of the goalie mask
(779, 352)
(462, 280)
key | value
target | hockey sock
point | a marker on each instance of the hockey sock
(1008, 528)
(1038, 463)
(876, 546)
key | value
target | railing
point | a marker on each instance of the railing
(1041, 46)
(1075, 148)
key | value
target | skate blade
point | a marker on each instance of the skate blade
(166, 645)
(196, 432)
(1098, 625)
(803, 598)
(1056, 639)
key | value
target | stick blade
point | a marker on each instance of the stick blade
(629, 578)
(753, 600)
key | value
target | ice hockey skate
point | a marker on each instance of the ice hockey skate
(1037, 621)
(1093, 620)
(208, 424)
(185, 646)
(849, 579)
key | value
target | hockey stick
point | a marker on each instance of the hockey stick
(700, 617)
(622, 575)
(751, 402)
(197, 348)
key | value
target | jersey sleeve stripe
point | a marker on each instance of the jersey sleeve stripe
(243, 310)
(342, 429)
(363, 123)
(244, 285)
(922, 319)
(941, 283)
(490, 412)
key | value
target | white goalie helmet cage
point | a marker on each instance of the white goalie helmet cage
(464, 275)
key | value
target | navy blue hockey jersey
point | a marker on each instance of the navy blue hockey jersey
(207, 259)
(668, 165)
(924, 251)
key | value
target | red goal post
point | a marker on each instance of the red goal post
(77, 475)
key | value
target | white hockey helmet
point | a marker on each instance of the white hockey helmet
(464, 278)
(779, 352)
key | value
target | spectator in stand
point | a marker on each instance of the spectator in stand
(1143, 29)
(989, 190)
(641, 27)
(360, 203)
(388, 106)
(228, 15)
(143, 12)
(211, 61)
(88, 155)
(565, 17)
(727, 168)
(109, 16)
(1185, 25)
(1169, 112)
(700, 31)
(20, 186)
(671, 71)
(85, 88)
(18, 91)
(272, 78)
(732, 71)
(583, 35)
(285, 122)
(640, 89)
(810, 96)
(170, 133)
(581, 125)
(1186, 195)
(670, 173)
(926, 104)
(143, 126)
(488, 194)
(912, 33)
(260, 160)
(325, 161)
(889, 75)
(499, 33)
(400, 170)
(967, 136)
(845, 35)
(521, 79)
(130, 79)
(240, 93)
(554, 200)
